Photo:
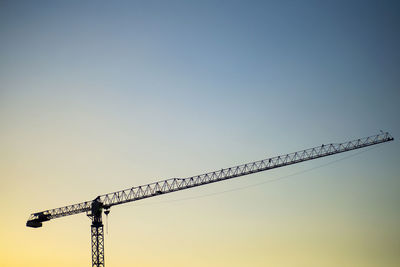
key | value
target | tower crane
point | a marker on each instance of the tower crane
(94, 208)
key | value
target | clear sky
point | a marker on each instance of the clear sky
(98, 96)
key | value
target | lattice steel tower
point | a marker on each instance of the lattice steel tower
(94, 208)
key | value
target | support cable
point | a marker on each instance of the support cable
(258, 184)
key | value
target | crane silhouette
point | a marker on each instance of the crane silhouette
(94, 208)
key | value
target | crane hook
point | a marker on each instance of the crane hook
(106, 212)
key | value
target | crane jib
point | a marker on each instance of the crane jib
(176, 184)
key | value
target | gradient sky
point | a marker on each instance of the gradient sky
(104, 95)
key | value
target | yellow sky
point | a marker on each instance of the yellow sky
(99, 97)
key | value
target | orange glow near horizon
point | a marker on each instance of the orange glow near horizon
(99, 98)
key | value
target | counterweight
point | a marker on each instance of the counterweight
(93, 208)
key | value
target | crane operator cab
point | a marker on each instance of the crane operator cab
(96, 210)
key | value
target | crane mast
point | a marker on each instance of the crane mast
(94, 208)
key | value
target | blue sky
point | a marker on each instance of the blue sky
(100, 96)
(270, 59)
